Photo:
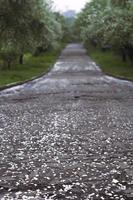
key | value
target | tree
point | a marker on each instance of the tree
(108, 23)
(66, 26)
(25, 25)
(15, 20)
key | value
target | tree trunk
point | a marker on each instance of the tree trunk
(124, 55)
(130, 52)
(9, 65)
(21, 59)
(94, 43)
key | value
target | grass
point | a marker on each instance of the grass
(111, 63)
(33, 66)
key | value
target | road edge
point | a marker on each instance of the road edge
(8, 86)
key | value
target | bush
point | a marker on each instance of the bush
(8, 55)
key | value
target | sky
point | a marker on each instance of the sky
(63, 5)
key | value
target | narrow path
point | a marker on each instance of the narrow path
(68, 134)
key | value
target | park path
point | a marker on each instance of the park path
(68, 134)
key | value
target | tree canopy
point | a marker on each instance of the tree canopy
(26, 25)
(108, 23)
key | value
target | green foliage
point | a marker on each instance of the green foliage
(8, 56)
(108, 23)
(66, 27)
(26, 25)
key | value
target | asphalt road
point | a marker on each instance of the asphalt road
(68, 134)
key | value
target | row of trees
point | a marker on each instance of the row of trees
(108, 23)
(28, 26)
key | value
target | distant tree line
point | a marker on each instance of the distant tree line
(28, 26)
(109, 24)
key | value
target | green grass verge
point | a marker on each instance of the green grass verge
(33, 66)
(111, 63)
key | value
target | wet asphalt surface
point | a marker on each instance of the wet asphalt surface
(68, 134)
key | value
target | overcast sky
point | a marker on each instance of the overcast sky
(62, 5)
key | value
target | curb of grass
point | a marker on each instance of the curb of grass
(112, 75)
(109, 74)
(118, 77)
(26, 81)
(10, 85)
